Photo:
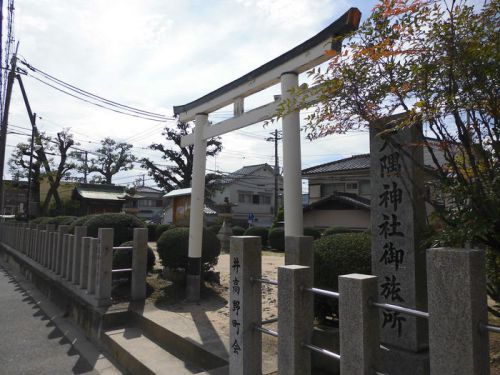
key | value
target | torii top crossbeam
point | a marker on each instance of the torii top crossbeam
(284, 69)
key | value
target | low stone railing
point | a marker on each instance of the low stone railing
(81, 264)
(457, 313)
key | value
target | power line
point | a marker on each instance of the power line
(96, 104)
(94, 96)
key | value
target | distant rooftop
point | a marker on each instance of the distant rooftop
(245, 171)
(147, 189)
(354, 162)
(101, 192)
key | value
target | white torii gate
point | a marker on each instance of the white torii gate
(284, 69)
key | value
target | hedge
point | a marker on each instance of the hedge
(258, 231)
(162, 228)
(336, 255)
(238, 231)
(214, 228)
(277, 239)
(336, 230)
(123, 224)
(312, 232)
(81, 221)
(173, 248)
(56, 220)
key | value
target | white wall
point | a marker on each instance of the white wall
(337, 218)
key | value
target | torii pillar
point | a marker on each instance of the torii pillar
(193, 272)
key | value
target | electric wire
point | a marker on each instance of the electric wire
(94, 96)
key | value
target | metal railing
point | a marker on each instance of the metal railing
(263, 280)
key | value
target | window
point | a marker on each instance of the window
(265, 199)
(244, 197)
(255, 199)
(351, 186)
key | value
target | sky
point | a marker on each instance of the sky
(154, 54)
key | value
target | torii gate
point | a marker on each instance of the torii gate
(284, 69)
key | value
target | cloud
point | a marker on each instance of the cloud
(154, 54)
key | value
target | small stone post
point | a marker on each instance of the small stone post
(80, 232)
(359, 325)
(105, 261)
(245, 306)
(61, 231)
(224, 236)
(457, 309)
(298, 250)
(139, 264)
(295, 319)
(84, 262)
(92, 275)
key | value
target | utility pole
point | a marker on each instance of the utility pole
(3, 130)
(34, 134)
(28, 200)
(276, 136)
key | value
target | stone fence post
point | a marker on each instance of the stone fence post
(104, 267)
(245, 306)
(457, 310)
(93, 259)
(139, 264)
(359, 324)
(295, 319)
(84, 262)
(80, 232)
(61, 231)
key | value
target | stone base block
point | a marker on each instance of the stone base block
(396, 361)
(193, 283)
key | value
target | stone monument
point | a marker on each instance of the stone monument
(397, 217)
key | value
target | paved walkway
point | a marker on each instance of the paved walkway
(29, 341)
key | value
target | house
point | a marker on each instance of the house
(340, 193)
(15, 197)
(147, 203)
(100, 198)
(250, 191)
(178, 206)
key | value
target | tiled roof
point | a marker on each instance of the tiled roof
(245, 171)
(101, 192)
(354, 162)
(147, 189)
(351, 199)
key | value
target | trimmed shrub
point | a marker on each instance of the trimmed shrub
(336, 230)
(123, 224)
(258, 231)
(40, 220)
(336, 255)
(214, 228)
(315, 233)
(173, 248)
(81, 221)
(58, 220)
(152, 232)
(160, 229)
(237, 230)
(277, 239)
(123, 258)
